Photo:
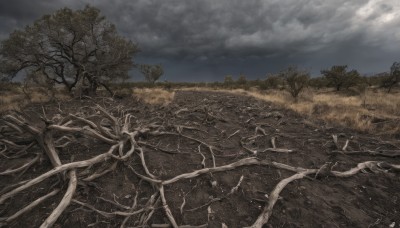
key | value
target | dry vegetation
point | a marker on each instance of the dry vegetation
(154, 96)
(208, 159)
(17, 99)
(374, 112)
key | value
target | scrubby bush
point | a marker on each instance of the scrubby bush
(318, 82)
(242, 80)
(295, 80)
(151, 72)
(339, 77)
(393, 78)
(273, 81)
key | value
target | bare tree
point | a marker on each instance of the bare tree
(73, 48)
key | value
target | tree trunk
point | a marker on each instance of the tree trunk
(107, 88)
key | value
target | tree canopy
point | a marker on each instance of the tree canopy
(151, 72)
(394, 76)
(339, 77)
(295, 79)
(78, 49)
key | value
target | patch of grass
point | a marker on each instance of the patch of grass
(12, 101)
(154, 96)
(17, 100)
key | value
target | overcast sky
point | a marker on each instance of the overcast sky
(204, 40)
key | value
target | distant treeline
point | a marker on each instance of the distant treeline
(272, 81)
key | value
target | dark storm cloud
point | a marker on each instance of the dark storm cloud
(212, 38)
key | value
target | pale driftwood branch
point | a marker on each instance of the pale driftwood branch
(115, 202)
(149, 208)
(160, 149)
(166, 208)
(84, 130)
(346, 145)
(243, 162)
(105, 131)
(108, 214)
(374, 166)
(32, 205)
(100, 174)
(141, 155)
(43, 137)
(13, 126)
(234, 133)
(278, 150)
(112, 118)
(11, 144)
(183, 204)
(212, 156)
(133, 207)
(72, 165)
(68, 140)
(203, 162)
(239, 163)
(132, 149)
(273, 197)
(23, 124)
(273, 142)
(47, 143)
(260, 129)
(254, 152)
(88, 122)
(234, 189)
(64, 202)
(205, 205)
(21, 168)
(335, 141)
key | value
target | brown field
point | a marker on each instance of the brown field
(376, 111)
(201, 158)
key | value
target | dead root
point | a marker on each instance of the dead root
(126, 142)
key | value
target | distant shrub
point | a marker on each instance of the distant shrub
(318, 82)
(295, 80)
(242, 80)
(273, 81)
(339, 77)
(393, 78)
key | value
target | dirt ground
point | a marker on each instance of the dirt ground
(228, 123)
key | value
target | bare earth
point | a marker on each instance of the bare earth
(233, 126)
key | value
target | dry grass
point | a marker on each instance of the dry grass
(379, 114)
(17, 100)
(12, 102)
(154, 96)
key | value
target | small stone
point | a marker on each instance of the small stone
(393, 224)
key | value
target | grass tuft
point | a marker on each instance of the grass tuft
(155, 96)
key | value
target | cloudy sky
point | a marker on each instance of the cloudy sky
(204, 40)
